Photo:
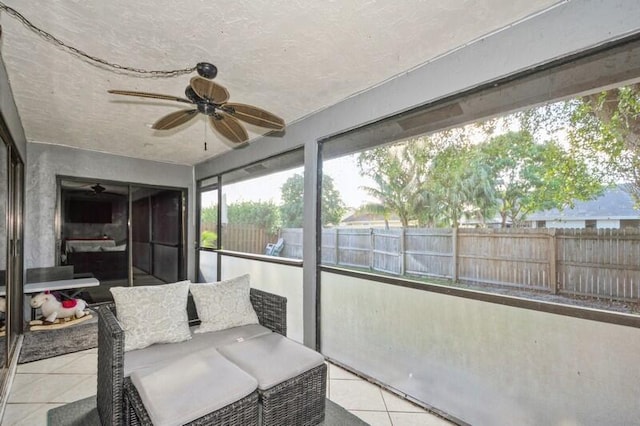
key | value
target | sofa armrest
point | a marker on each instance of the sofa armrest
(271, 310)
(110, 367)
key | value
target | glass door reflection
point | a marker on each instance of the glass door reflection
(157, 236)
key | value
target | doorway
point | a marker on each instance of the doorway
(120, 233)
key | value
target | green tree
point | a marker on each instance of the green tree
(208, 226)
(333, 208)
(399, 172)
(209, 218)
(459, 185)
(605, 128)
(262, 214)
(529, 176)
(292, 208)
(208, 239)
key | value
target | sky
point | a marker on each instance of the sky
(344, 172)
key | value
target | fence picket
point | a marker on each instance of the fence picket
(584, 262)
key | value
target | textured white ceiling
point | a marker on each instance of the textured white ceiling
(289, 57)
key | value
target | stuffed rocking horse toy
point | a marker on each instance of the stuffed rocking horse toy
(58, 313)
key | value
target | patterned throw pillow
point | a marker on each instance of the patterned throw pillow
(223, 304)
(152, 314)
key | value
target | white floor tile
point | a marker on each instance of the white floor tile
(357, 395)
(78, 363)
(417, 419)
(45, 388)
(26, 414)
(80, 390)
(336, 372)
(395, 403)
(373, 418)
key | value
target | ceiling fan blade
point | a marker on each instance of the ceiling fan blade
(174, 119)
(229, 127)
(254, 115)
(149, 95)
(209, 90)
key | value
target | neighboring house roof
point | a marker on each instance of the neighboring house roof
(614, 203)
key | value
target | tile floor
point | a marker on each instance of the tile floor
(42, 385)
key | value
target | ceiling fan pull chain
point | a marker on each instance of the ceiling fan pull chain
(205, 135)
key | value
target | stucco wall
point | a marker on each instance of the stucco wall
(45, 162)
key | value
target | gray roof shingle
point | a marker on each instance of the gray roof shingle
(614, 203)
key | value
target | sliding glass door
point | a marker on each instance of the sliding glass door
(11, 213)
(157, 235)
(122, 234)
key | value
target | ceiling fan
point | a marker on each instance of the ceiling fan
(210, 98)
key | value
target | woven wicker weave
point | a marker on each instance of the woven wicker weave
(241, 412)
(118, 403)
(298, 401)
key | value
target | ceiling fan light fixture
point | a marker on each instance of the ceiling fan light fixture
(98, 189)
(206, 70)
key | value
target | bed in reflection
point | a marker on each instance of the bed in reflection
(102, 258)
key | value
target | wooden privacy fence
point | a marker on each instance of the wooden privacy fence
(600, 263)
(246, 238)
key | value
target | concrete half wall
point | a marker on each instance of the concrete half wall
(484, 363)
(45, 162)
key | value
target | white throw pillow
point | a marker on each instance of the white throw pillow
(223, 304)
(152, 314)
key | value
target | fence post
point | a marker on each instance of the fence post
(454, 255)
(553, 279)
(403, 258)
(337, 249)
(372, 241)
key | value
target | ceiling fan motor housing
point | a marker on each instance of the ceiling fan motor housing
(207, 70)
(206, 108)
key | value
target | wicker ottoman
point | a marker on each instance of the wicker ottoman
(200, 388)
(292, 379)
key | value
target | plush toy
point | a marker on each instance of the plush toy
(52, 308)
(3, 309)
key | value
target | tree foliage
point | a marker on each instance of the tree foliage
(459, 185)
(399, 172)
(606, 130)
(439, 181)
(262, 214)
(292, 208)
(603, 131)
(529, 176)
(209, 218)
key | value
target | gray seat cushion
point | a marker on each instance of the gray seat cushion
(158, 354)
(190, 387)
(272, 358)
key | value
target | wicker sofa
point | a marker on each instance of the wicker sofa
(299, 399)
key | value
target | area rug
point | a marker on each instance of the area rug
(85, 413)
(43, 344)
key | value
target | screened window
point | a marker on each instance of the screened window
(261, 208)
(463, 204)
